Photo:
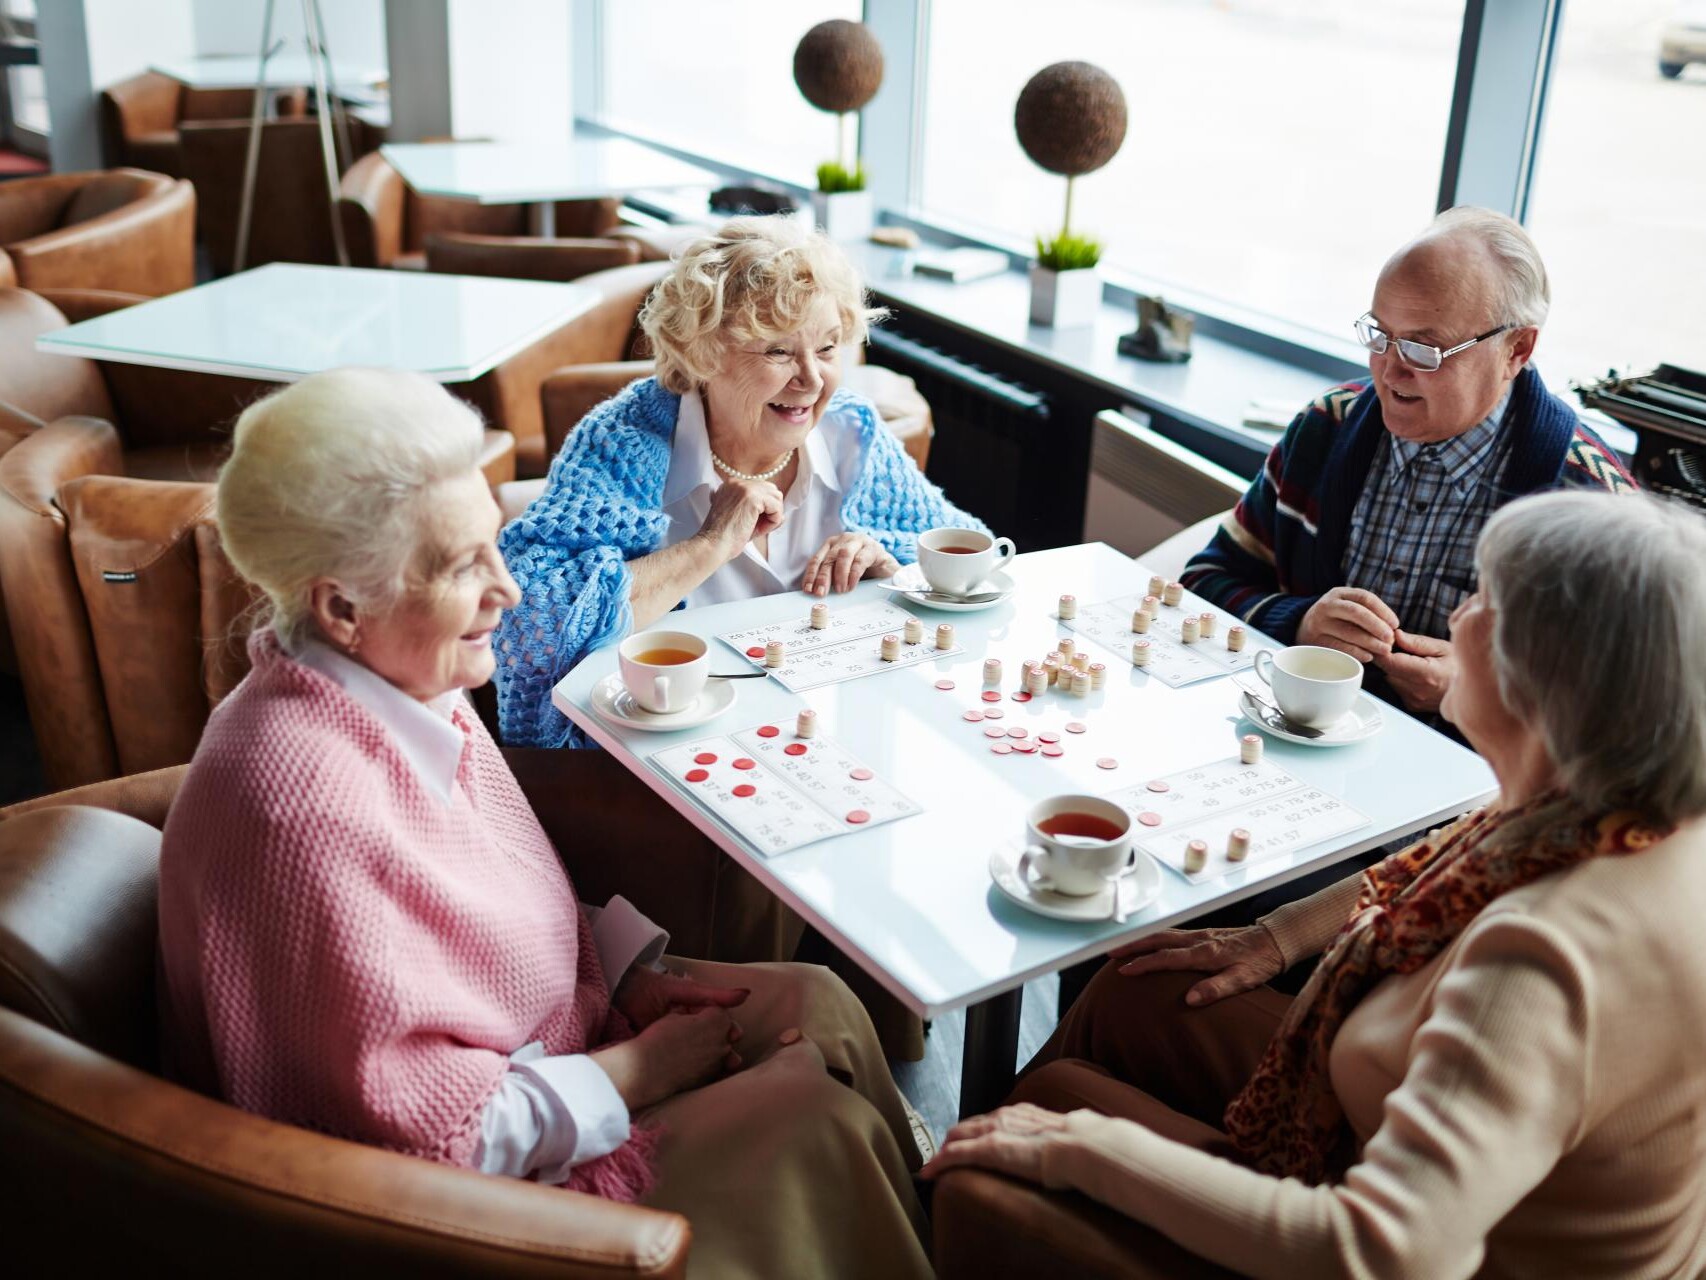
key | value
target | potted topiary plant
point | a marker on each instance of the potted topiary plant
(838, 66)
(1071, 120)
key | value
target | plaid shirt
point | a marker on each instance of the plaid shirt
(1416, 522)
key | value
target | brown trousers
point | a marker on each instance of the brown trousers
(1129, 1047)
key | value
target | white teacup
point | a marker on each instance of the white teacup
(1313, 686)
(954, 561)
(1075, 844)
(664, 670)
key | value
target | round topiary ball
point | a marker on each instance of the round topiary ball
(1070, 118)
(838, 65)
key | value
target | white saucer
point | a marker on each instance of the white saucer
(1138, 888)
(1360, 723)
(611, 699)
(910, 583)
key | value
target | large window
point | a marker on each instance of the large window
(1278, 150)
(718, 79)
(1619, 199)
(23, 96)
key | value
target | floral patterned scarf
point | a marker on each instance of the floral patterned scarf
(1287, 1121)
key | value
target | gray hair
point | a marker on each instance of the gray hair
(328, 479)
(1600, 608)
(1522, 295)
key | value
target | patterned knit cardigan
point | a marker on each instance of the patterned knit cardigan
(603, 506)
(1283, 546)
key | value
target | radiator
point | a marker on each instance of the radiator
(1144, 488)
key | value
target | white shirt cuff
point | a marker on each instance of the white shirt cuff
(549, 1114)
(624, 938)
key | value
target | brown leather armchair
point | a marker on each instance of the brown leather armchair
(526, 257)
(118, 229)
(291, 221)
(180, 1182)
(140, 117)
(387, 223)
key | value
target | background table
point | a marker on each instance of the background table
(282, 322)
(284, 71)
(537, 173)
(912, 901)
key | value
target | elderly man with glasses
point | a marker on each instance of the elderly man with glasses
(1359, 533)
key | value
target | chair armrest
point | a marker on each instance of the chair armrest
(15, 424)
(514, 498)
(146, 797)
(568, 395)
(180, 1175)
(146, 246)
(86, 304)
(462, 253)
(8, 273)
(497, 459)
(371, 198)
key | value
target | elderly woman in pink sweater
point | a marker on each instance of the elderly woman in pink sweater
(364, 929)
(1495, 1068)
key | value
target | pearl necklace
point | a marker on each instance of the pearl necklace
(729, 471)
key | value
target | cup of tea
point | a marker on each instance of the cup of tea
(1075, 844)
(954, 561)
(1312, 685)
(664, 670)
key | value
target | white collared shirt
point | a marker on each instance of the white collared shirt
(811, 509)
(550, 1112)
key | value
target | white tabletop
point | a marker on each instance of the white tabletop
(285, 321)
(912, 900)
(527, 172)
(284, 70)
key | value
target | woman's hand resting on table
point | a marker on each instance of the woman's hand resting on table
(678, 1052)
(741, 510)
(1010, 1140)
(1239, 959)
(843, 560)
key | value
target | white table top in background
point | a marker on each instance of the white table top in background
(284, 321)
(577, 168)
(912, 900)
(284, 71)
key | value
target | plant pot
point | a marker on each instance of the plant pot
(844, 215)
(1065, 299)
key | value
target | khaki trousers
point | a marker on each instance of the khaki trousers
(800, 1163)
(1129, 1047)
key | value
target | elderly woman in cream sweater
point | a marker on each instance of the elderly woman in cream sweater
(1495, 1068)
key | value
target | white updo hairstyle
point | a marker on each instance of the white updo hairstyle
(330, 478)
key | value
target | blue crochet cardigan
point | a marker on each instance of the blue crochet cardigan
(603, 506)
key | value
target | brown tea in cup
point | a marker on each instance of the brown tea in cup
(1080, 826)
(665, 657)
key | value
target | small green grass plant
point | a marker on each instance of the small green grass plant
(1068, 252)
(833, 177)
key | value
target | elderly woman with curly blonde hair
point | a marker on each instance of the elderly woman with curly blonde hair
(740, 470)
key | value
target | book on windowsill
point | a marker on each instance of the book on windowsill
(960, 265)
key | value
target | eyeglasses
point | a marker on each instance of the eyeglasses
(1418, 355)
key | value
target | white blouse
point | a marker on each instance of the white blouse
(811, 509)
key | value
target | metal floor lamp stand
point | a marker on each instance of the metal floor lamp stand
(314, 27)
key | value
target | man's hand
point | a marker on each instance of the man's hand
(1010, 1141)
(644, 995)
(1419, 669)
(1352, 621)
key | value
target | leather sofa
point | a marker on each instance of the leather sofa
(140, 117)
(121, 229)
(387, 223)
(110, 1167)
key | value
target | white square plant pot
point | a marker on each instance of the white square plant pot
(844, 215)
(1065, 299)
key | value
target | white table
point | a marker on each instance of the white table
(912, 901)
(284, 321)
(538, 173)
(284, 71)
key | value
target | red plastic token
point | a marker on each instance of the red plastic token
(744, 763)
(1107, 762)
(1159, 785)
(705, 757)
(1049, 749)
(861, 774)
(1076, 726)
(1048, 737)
(994, 713)
(1149, 819)
(944, 685)
(1027, 746)
(1021, 696)
(768, 731)
(857, 816)
(1002, 748)
(794, 749)
(992, 695)
(757, 651)
(746, 789)
(697, 775)
(974, 715)
(1017, 732)
(994, 731)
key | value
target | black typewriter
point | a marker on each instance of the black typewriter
(1667, 411)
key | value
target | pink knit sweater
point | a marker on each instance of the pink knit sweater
(343, 950)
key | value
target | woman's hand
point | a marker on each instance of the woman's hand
(1240, 959)
(678, 1052)
(843, 560)
(645, 995)
(741, 510)
(1011, 1141)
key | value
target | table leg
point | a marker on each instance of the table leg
(545, 219)
(992, 1047)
